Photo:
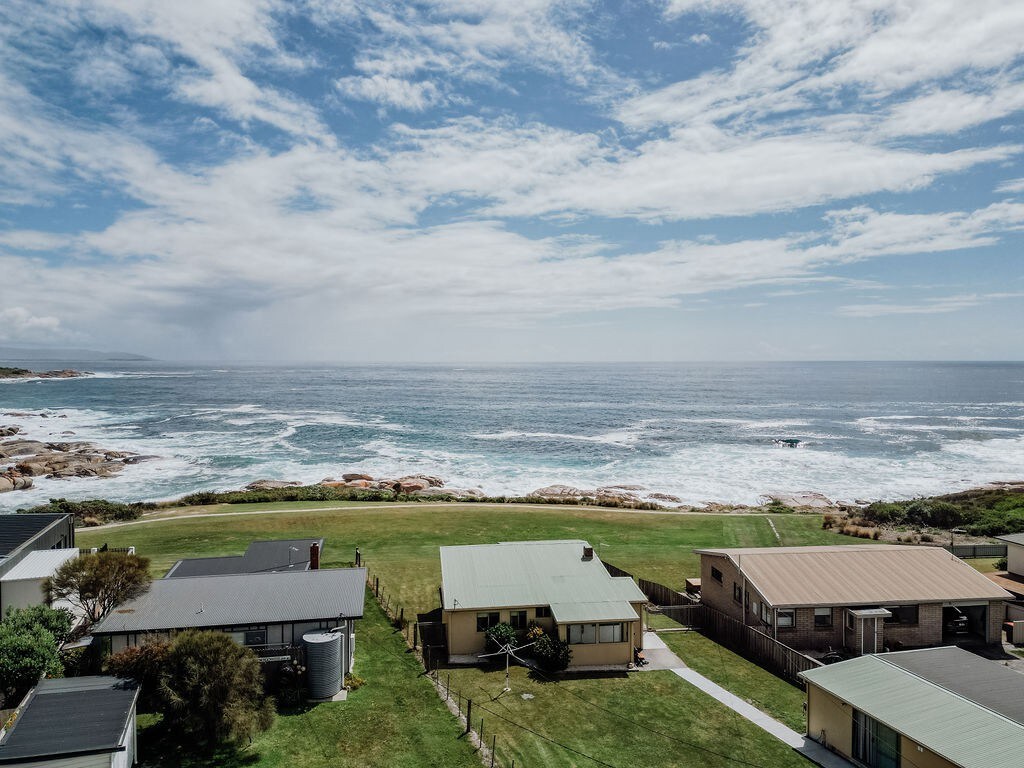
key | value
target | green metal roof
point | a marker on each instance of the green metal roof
(941, 720)
(530, 573)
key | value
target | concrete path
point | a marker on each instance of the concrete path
(660, 656)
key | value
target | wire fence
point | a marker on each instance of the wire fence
(424, 635)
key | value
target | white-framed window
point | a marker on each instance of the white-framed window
(580, 634)
(786, 618)
(517, 619)
(823, 617)
(610, 633)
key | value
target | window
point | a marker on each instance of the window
(256, 637)
(543, 612)
(582, 633)
(754, 607)
(517, 619)
(902, 614)
(786, 617)
(716, 574)
(766, 613)
(737, 592)
(874, 744)
(610, 633)
(850, 620)
(823, 617)
(485, 621)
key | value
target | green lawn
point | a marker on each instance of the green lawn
(599, 716)
(400, 542)
(745, 679)
(651, 719)
(395, 720)
(985, 564)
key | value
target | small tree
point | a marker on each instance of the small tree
(57, 621)
(26, 654)
(499, 636)
(146, 664)
(213, 689)
(98, 583)
(552, 654)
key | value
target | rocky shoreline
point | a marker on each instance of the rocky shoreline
(25, 373)
(22, 459)
(626, 495)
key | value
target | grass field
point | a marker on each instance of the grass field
(394, 719)
(652, 719)
(400, 542)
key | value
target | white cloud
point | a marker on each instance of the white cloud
(391, 91)
(703, 38)
(1011, 186)
(19, 324)
(932, 306)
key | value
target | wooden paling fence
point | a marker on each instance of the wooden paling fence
(657, 593)
(969, 551)
(425, 636)
(765, 650)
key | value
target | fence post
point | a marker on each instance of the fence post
(481, 733)
(469, 715)
(448, 688)
(415, 632)
(494, 741)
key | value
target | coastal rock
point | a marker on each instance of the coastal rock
(269, 485)
(25, 373)
(20, 448)
(562, 492)
(455, 493)
(412, 484)
(138, 459)
(803, 500)
(432, 480)
(665, 497)
(385, 485)
(357, 483)
(350, 476)
(9, 431)
(622, 488)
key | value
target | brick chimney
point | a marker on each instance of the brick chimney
(314, 556)
(588, 553)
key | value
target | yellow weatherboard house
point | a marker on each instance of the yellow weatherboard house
(562, 586)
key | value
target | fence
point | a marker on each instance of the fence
(426, 637)
(968, 551)
(763, 649)
(105, 548)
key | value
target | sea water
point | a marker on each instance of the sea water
(702, 432)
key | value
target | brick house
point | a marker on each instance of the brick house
(862, 598)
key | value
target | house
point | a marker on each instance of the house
(931, 708)
(76, 722)
(1013, 579)
(562, 586)
(257, 609)
(282, 555)
(32, 547)
(862, 598)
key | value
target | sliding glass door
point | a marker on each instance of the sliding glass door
(874, 744)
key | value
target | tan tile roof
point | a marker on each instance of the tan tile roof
(868, 574)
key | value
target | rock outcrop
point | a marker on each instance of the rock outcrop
(22, 459)
(269, 485)
(25, 373)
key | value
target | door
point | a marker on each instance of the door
(874, 744)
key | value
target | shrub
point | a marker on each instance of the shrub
(213, 690)
(97, 583)
(876, 534)
(927, 537)
(57, 621)
(1000, 564)
(91, 510)
(552, 654)
(499, 636)
(354, 682)
(26, 653)
(146, 664)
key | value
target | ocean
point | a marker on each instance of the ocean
(702, 432)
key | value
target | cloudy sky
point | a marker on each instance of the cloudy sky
(527, 180)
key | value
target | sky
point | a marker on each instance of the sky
(538, 180)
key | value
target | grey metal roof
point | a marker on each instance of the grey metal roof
(984, 682)
(261, 556)
(242, 599)
(73, 716)
(40, 564)
(1012, 538)
(530, 573)
(963, 731)
(15, 530)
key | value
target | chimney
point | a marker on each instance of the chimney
(314, 556)
(588, 553)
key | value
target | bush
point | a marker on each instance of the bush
(213, 690)
(927, 537)
(26, 654)
(552, 654)
(57, 621)
(1000, 564)
(499, 636)
(146, 664)
(92, 511)
(354, 682)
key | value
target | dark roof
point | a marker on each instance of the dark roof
(240, 600)
(260, 557)
(77, 715)
(986, 683)
(15, 530)
(1012, 538)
